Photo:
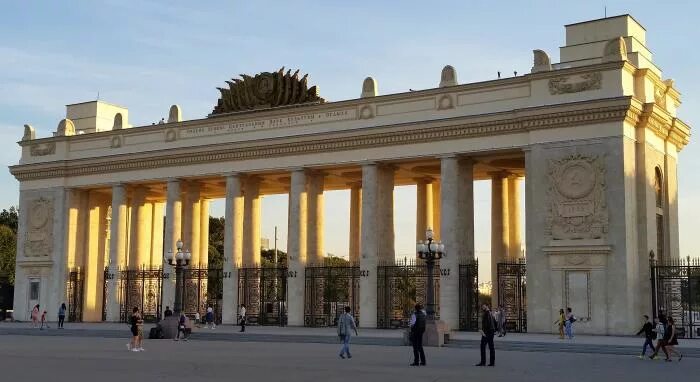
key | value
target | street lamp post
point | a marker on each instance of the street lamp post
(179, 260)
(430, 251)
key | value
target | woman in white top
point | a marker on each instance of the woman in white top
(242, 316)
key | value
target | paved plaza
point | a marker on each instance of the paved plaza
(99, 351)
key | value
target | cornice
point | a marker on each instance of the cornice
(332, 106)
(517, 121)
(663, 125)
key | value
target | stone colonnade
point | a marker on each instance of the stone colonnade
(445, 203)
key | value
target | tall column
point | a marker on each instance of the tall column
(251, 222)
(457, 199)
(233, 246)
(424, 207)
(94, 257)
(514, 228)
(499, 228)
(315, 207)
(117, 249)
(203, 233)
(355, 221)
(296, 248)
(139, 248)
(157, 234)
(435, 187)
(191, 222)
(385, 209)
(377, 235)
(173, 233)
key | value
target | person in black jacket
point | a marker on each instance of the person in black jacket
(417, 324)
(648, 330)
(487, 330)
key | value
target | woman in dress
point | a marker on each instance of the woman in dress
(560, 322)
(673, 341)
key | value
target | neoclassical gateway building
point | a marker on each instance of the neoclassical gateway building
(594, 137)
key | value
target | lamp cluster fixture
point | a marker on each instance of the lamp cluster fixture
(179, 257)
(430, 249)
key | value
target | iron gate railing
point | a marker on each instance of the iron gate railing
(469, 295)
(675, 287)
(328, 289)
(263, 290)
(204, 287)
(74, 294)
(512, 294)
(142, 288)
(399, 287)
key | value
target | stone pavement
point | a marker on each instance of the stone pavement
(513, 341)
(63, 358)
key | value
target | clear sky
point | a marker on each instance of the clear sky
(146, 55)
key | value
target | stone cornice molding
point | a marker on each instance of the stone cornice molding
(331, 106)
(516, 121)
(662, 124)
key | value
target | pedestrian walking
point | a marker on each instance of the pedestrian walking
(35, 316)
(210, 318)
(346, 325)
(569, 324)
(43, 321)
(242, 317)
(487, 329)
(61, 315)
(648, 330)
(197, 320)
(561, 322)
(660, 331)
(182, 328)
(501, 321)
(136, 322)
(672, 341)
(417, 327)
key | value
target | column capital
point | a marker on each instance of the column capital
(462, 158)
(355, 184)
(424, 179)
(499, 174)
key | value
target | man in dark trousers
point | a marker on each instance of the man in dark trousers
(648, 330)
(487, 330)
(417, 324)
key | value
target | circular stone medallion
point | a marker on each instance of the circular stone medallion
(577, 180)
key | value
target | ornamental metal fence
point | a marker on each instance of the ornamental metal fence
(512, 294)
(675, 285)
(469, 295)
(141, 288)
(400, 286)
(203, 287)
(263, 290)
(328, 289)
(74, 294)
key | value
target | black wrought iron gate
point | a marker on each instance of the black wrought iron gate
(204, 287)
(675, 287)
(469, 296)
(141, 288)
(512, 295)
(327, 291)
(399, 287)
(74, 295)
(263, 290)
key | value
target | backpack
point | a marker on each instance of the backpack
(572, 319)
(419, 326)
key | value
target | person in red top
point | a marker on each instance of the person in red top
(43, 321)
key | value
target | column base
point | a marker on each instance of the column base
(434, 336)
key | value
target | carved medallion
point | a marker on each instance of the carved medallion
(576, 193)
(575, 84)
(39, 235)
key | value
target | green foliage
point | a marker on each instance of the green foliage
(267, 258)
(8, 252)
(10, 218)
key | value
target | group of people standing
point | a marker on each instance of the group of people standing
(666, 334)
(39, 319)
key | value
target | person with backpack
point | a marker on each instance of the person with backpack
(487, 330)
(417, 325)
(346, 324)
(569, 323)
(660, 342)
(648, 330)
